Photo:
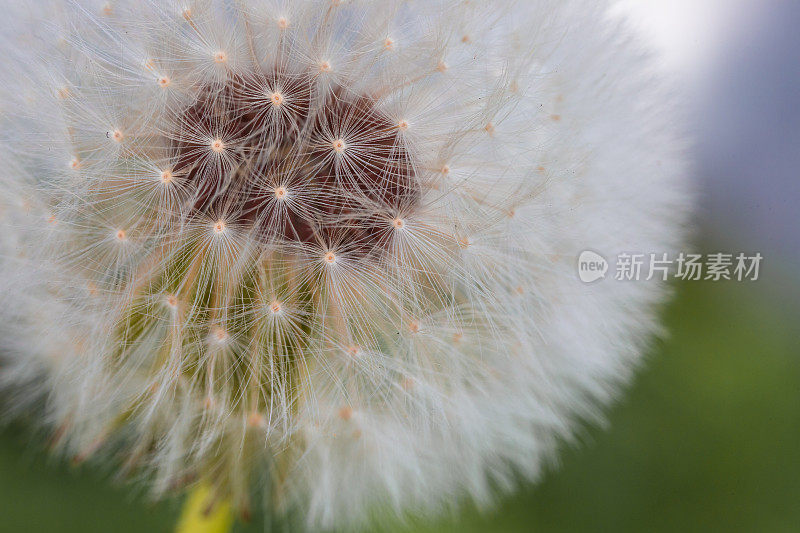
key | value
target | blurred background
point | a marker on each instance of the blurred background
(708, 436)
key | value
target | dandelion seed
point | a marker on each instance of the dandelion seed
(256, 420)
(217, 146)
(339, 146)
(172, 301)
(219, 335)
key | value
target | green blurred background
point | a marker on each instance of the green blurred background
(706, 439)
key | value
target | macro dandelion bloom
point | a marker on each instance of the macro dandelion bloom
(326, 247)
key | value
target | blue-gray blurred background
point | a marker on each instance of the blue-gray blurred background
(708, 436)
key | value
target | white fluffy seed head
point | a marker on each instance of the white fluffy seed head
(329, 244)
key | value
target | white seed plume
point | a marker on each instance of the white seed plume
(326, 247)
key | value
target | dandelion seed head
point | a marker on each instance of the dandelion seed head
(338, 250)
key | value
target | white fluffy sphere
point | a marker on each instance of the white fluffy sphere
(327, 247)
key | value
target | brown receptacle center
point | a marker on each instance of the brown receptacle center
(266, 151)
